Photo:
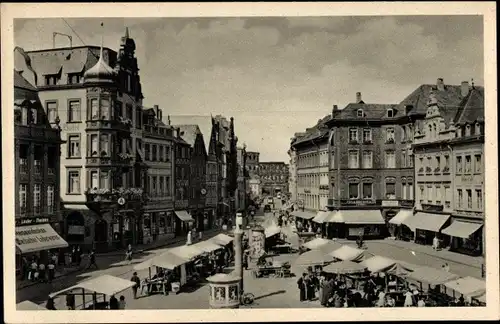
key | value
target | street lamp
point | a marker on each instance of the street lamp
(238, 249)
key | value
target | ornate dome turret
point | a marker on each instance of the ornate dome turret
(101, 72)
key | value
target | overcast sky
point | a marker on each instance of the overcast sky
(277, 76)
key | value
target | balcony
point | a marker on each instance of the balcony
(122, 124)
(324, 187)
(446, 170)
(428, 170)
(353, 142)
(38, 132)
(121, 159)
(421, 170)
(437, 170)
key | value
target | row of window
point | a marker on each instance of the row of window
(37, 198)
(37, 153)
(159, 186)
(442, 195)
(273, 177)
(313, 201)
(158, 152)
(270, 167)
(96, 179)
(100, 109)
(312, 180)
(465, 164)
(364, 190)
(76, 78)
(470, 202)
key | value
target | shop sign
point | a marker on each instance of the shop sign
(467, 178)
(32, 221)
(390, 203)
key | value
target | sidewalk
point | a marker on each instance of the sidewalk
(444, 254)
(137, 249)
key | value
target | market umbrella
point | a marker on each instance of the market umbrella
(344, 267)
(313, 257)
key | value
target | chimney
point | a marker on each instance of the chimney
(465, 88)
(358, 97)
(157, 111)
(334, 109)
(440, 84)
(168, 119)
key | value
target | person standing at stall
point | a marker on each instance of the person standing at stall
(408, 299)
(70, 301)
(137, 281)
(41, 270)
(50, 304)
(113, 303)
(122, 304)
(33, 270)
(301, 284)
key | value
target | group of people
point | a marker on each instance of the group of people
(39, 270)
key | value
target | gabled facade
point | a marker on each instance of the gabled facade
(449, 148)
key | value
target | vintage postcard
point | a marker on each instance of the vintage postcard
(249, 162)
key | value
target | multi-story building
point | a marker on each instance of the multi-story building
(95, 94)
(253, 181)
(311, 151)
(192, 135)
(243, 191)
(448, 165)
(37, 169)
(292, 177)
(371, 171)
(273, 177)
(157, 149)
(183, 151)
(222, 150)
(208, 131)
(252, 162)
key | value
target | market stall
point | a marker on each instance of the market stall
(467, 287)
(28, 305)
(95, 289)
(344, 267)
(311, 258)
(429, 281)
(379, 263)
(221, 239)
(316, 243)
(349, 253)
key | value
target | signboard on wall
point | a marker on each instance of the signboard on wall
(76, 230)
(31, 221)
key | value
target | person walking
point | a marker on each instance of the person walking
(137, 281)
(128, 254)
(92, 260)
(51, 271)
(435, 243)
(189, 238)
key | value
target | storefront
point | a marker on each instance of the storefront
(396, 229)
(466, 236)
(35, 237)
(368, 223)
(183, 223)
(426, 226)
(303, 219)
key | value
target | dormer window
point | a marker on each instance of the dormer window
(390, 113)
(50, 80)
(478, 129)
(467, 130)
(360, 113)
(74, 78)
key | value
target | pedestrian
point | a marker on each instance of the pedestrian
(78, 256)
(200, 235)
(446, 267)
(24, 268)
(189, 238)
(33, 270)
(301, 284)
(408, 299)
(311, 291)
(54, 258)
(390, 302)
(128, 253)
(137, 281)
(435, 243)
(70, 301)
(327, 291)
(50, 304)
(73, 256)
(113, 303)
(421, 302)
(381, 298)
(92, 260)
(41, 270)
(51, 271)
(122, 302)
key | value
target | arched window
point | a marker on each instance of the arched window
(467, 130)
(430, 131)
(478, 129)
(435, 130)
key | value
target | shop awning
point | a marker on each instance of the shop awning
(272, 230)
(105, 284)
(184, 216)
(221, 239)
(333, 217)
(431, 276)
(28, 305)
(189, 252)
(207, 246)
(303, 214)
(360, 216)
(467, 286)
(313, 257)
(426, 221)
(401, 216)
(39, 237)
(348, 253)
(321, 216)
(461, 229)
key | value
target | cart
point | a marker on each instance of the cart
(271, 268)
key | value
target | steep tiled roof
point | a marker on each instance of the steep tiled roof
(473, 108)
(317, 131)
(203, 122)
(21, 82)
(189, 133)
(370, 111)
(451, 96)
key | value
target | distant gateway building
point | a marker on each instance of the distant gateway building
(273, 177)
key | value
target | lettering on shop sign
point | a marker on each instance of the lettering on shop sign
(390, 203)
(34, 235)
(30, 221)
(467, 178)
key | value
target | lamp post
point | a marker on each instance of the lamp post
(238, 249)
